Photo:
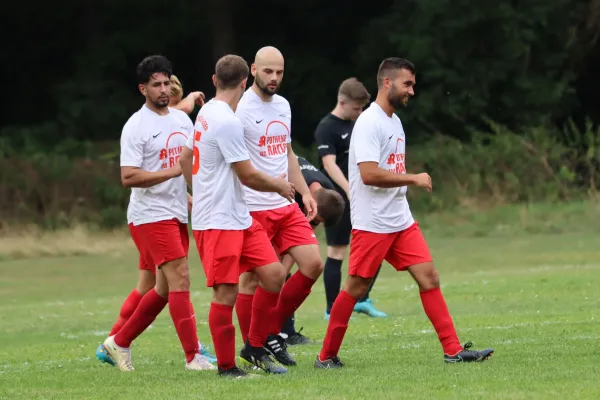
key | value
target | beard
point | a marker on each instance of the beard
(264, 88)
(160, 102)
(396, 99)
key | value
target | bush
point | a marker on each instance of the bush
(80, 182)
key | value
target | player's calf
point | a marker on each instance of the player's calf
(357, 286)
(176, 273)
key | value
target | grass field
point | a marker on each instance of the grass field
(534, 297)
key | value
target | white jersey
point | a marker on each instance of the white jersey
(218, 141)
(153, 142)
(378, 138)
(267, 134)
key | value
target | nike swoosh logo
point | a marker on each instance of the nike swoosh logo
(258, 122)
(344, 136)
(390, 138)
(155, 136)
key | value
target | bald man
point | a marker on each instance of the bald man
(266, 117)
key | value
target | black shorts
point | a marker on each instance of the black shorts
(339, 234)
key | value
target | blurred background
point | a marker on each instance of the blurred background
(506, 106)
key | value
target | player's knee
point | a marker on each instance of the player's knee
(357, 286)
(336, 252)
(178, 275)
(273, 278)
(248, 283)
(313, 268)
(430, 278)
(225, 294)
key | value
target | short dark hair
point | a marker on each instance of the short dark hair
(354, 90)
(390, 65)
(330, 206)
(152, 65)
(230, 71)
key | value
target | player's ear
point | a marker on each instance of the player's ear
(142, 89)
(253, 70)
(244, 82)
(214, 79)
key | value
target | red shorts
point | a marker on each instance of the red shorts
(286, 227)
(227, 254)
(160, 242)
(401, 249)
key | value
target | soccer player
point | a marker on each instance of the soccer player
(383, 226)
(147, 277)
(330, 206)
(333, 141)
(267, 121)
(178, 102)
(151, 142)
(216, 164)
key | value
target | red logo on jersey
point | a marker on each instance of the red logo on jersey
(274, 141)
(396, 160)
(171, 152)
(202, 122)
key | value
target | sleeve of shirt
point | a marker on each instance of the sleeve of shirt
(367, 141)
(325, 139)
(231, 141)
(132, 146)
(289, 111)
(189, 143)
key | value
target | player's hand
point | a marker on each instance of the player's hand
(198, 98)
(190, 201)
(286, 189)
(423, 180)
(310, 206)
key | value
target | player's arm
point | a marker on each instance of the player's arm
(132, 156)
(187, 105)
(134, 177)
(327, 152)
(185, 161)
(232, 146)
(335, 172)
(372, 175)
(254, 179)
(367, 144)
(296, 177)
(295, 173)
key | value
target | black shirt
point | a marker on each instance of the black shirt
(333, 137)
(311, 175)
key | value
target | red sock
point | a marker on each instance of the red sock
(293, 294)
(222, 330)
(127, 309)
(185, 323)
(263, 307)
(243, 309)
(193, 313)
(437, 311)
(146, 312)
(338, 324)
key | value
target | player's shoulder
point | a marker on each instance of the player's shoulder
(134, 122)
(280, 101)
(179, 114)
(249, 100)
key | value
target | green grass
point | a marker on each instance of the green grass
(533, 297)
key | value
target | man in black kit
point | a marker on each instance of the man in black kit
(333, 141)
(330, 207)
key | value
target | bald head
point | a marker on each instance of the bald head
(268, 70)
(268, 55)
